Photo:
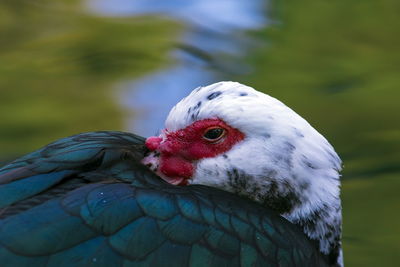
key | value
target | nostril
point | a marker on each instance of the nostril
(153, 142)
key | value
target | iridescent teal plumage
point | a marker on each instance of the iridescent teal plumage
(86, 200)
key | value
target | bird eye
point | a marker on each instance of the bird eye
(214, 134)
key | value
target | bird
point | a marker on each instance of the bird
(236, 178)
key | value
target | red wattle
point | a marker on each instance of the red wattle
(153, 142)
(176, 167)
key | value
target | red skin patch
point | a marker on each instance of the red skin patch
(181, 148)
(153, 142)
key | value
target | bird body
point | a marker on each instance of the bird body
(97, 205)
(257, 186)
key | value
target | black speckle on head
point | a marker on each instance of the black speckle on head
(307, 162)
(214, 95)
(195, 115)
(298, 133)
(304, 186)
(193, 112)
(328, 235)
(208, 172)
(267, 135)
(285, 155)
(243, 94)
(289, 147)
(225, 156)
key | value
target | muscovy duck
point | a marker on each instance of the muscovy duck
(245, 182)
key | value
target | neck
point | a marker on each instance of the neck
(321, 223)
(317, 211)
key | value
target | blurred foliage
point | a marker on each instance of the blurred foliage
(371, 222)
(58, 64)
(337, 64)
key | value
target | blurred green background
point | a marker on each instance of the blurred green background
(334, 62)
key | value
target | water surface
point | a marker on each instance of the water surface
(210, 49)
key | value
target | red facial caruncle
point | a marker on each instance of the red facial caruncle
(181, 149)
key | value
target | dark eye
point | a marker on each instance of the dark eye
(214, 134)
